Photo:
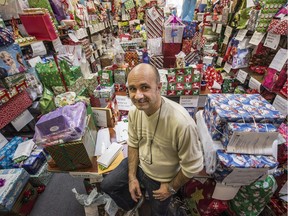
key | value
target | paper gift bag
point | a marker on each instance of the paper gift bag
(131, 57)
(75, 154)
(173, 30)
(171, 49)
(154, 22)
(157, 61)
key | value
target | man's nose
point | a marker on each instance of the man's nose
(138, 94)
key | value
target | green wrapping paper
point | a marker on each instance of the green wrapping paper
(47, 102)
(49, 75)
(77, 87)
(11, 81)
(251, 200)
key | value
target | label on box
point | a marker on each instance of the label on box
(228, 31)
(227, 67)
(272, 40)
(256, 38)
(241, 34)
(241, 76)
(280, 104)
(189, 101)
(3, 141)
(20, 121)
(124, 102)
(254, 84)
(219, 28)
(38, 49)
(279, 59)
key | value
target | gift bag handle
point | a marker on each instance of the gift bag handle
(60, 72)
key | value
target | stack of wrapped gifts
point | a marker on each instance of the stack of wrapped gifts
(68, 134)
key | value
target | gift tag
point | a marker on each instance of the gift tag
(281, 105)
(20, 121)
(256, 38)
(189, 101)
(227, 67)
(219, 61)
(3, 141)
(241, 76)
(57, 44)
(153, 13)
(228, 31)
(73, 37)
(241, 34)
(38, 49)
(226, 40)
(254, 84)
(219, 28)
(272, 40)
(279, 59)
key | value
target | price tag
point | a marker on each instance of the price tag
(241, 76)
(279, 59)
(38, 49)
(73, 37)
(3, 141)
(189, 101)
(227, 67)
(20, 121)
(226, 40)
(228, 31)
(219, 28)
(241, 34)
(272, 40)
(219, 61)
(254, 84)
(281, 104)
(256, 38)
(214, 25)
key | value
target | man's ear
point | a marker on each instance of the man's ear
(159, 86)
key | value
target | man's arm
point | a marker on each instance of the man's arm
(133, 161)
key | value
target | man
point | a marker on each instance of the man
(163, 147)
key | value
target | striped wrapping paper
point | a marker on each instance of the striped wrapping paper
(192, 57)
(157, 61)
(154, 22)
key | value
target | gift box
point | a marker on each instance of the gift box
(42, 177)
(131, 57)
(193, 57)
(13, 108)
(77, 87)
(120, 76)
(173, 30)
(11, 59)
(169, 62)
(157, 61)
(104, 92)
(190, 29)
(61, 125)
(14, 182)
(252, 199)
(75, 154)
(186, 46)
(231, 127)
(232, 162)
(33, 163)
(278, 26)
(171, 49)
(7, 152)
(154, 21)
(106, 77)
(4, 96)
(198, 197)
(278, 206)
(245, 108)
(13, 80)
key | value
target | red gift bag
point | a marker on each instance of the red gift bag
(171, 49)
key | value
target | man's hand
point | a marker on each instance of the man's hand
(162, 193)
(134, 189)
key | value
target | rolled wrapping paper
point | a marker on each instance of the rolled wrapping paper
(62, 125)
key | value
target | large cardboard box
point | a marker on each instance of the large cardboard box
(78, 153)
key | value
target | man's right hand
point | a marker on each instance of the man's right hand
(134, 189)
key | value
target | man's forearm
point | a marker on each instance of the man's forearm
(179, 180)
(133, 160)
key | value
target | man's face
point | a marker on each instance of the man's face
(143, 89)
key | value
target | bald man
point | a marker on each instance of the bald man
(164, 151)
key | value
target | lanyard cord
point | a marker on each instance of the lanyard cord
(156, 123)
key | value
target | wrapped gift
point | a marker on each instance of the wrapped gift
(78, 153)
(278, 26)
(14, 107)
(173, 30)
(154, 22)
(278, 206)
(14, 182)
(193, 57)
(284, 89)
(104, 92)
(4, 96)
(154, 45)
(7, 152)
(231, 127)
(232, 162)
(220, 109)
(157, 61)
(61, 125)
(169, 62)
(171, 49)
(42, 177)
(252, 199)
(120, 76)
(131, 57)
(106, 77)
(11, 59)
(190, 29)
(77, 87)
(198, 196)
(11, 81)
(186, 46)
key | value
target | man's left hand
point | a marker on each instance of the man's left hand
(162, 193)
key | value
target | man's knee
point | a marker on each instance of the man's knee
(105, 185)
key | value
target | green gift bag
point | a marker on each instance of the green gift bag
(49, 75)
(47, 102)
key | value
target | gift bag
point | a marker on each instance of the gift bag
(154, 22)
(173, 30)
(11, 8)
(11, 59)
(154, 45)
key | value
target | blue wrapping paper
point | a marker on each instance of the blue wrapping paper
(245, 127)
(242, 108)
(226, 162)
(7, 152)
(15, 180)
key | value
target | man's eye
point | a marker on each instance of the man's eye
(144, 87)
(131, 89)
